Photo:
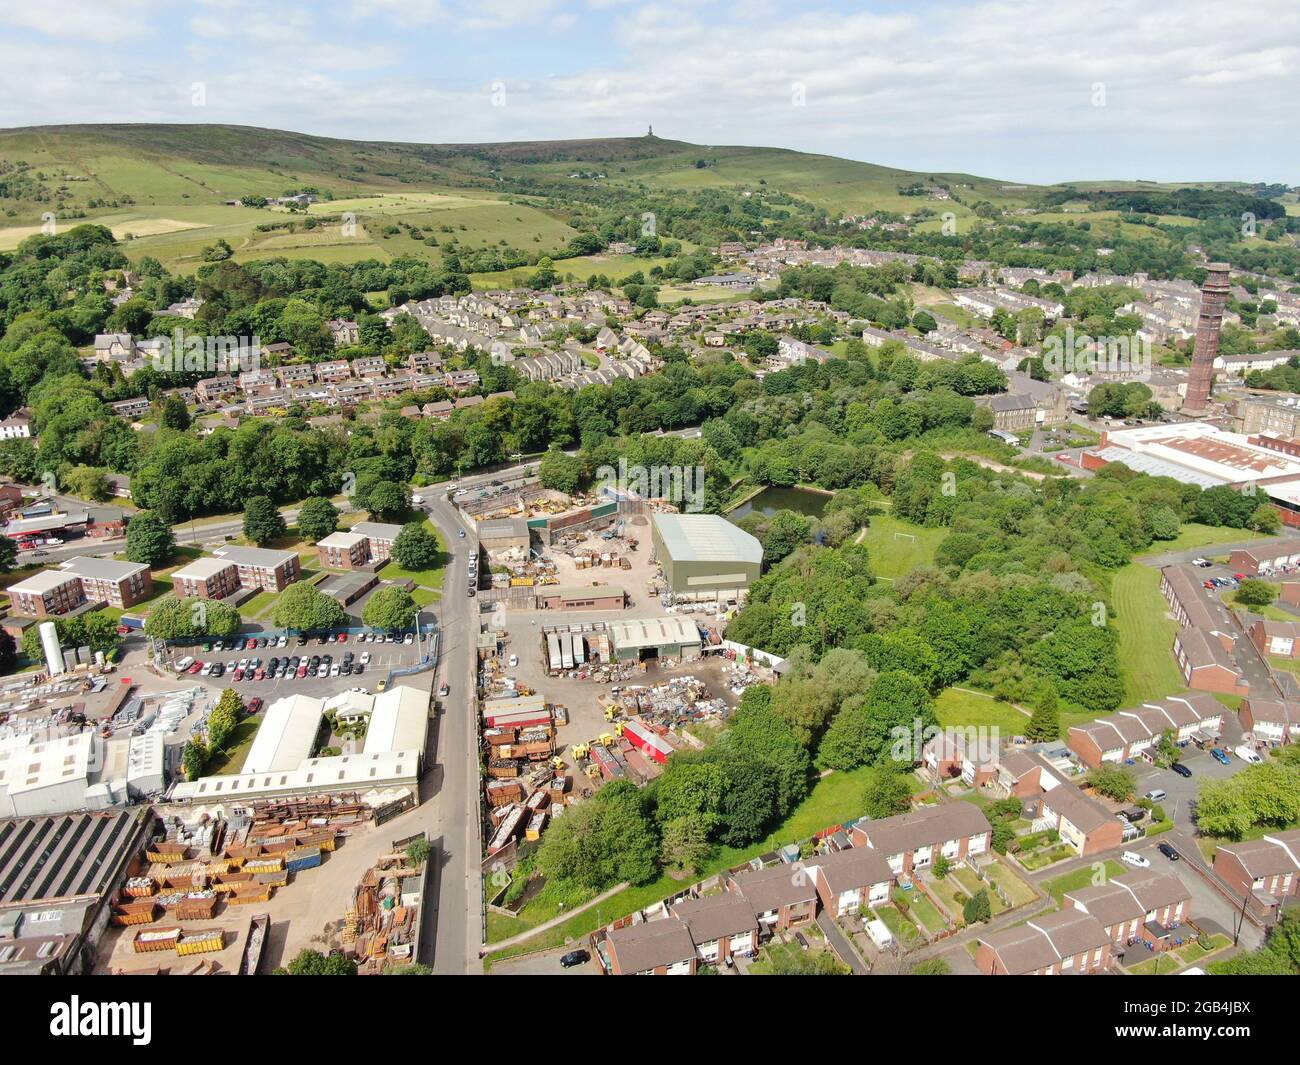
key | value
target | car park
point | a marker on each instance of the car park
(1136, 860)
(1181, 769)
(1168, 851)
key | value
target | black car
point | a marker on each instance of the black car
(358, 669)
(346, 669)
(1168, 851)
(1181, 769)
(274, 665)
(575, 957)
(302, 641)
(314, 663)
(327, 660)
(218, 669)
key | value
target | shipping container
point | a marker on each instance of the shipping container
(306, 860)
(155, 939)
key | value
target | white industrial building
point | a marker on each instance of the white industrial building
(279, 762)
(146, 765)
(42, 774)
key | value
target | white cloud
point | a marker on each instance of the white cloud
(1000, 87)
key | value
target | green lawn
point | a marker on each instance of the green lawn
(1146, 635)
(425, 578)
(230, 759)
(1007, 879)
(1194, 535)
(956, 708)
(1080, 878)
(898, 547)
(834, 799)
(924, 911)
(971, 884)
(900, 924)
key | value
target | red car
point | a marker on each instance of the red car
(1207, 584)
(1240, 576)
(195, 667)
(250, 645)
(302, 671)
(343, 637)
(254, 705)
(260, 674)
(239, 674)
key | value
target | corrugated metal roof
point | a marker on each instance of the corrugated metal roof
(706, 538)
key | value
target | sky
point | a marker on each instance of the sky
(1022, 90)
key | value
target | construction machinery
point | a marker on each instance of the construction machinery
(581, 751)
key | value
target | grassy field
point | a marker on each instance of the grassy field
(1146, 635)
(1193, 535)
(962, 707)
(898, 547)
(230, 759)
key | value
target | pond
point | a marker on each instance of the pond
(770, 500)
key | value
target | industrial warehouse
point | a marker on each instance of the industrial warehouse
(705, 555)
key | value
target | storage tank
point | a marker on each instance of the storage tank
(50, 645)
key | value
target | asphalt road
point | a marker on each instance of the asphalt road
(454, 930)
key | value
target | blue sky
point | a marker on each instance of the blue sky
(1017, 89)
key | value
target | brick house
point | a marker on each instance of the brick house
(1126, 905)
(1084, 823)
(720, 926)
(1276, 637)
(849, 879)
(262, 568)
(1066, 942)
(659, 948)
(206, 578)
(781, 896)
(1269, 866)
(1270, 721)
(343, 550)
(1265, 559)
(379, 537)
(82, 580)
(1136, 733)
(914, 839)
(1207, 664)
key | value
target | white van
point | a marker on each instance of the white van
(1247, 755)
(184, 663)
(1155, 795)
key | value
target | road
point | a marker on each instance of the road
(454, 930)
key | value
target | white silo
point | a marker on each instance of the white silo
(50, 644)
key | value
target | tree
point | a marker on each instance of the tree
(224, 717)
(416, 547)
(390, 608)
(977, 908)
(193, 758)
(149, 540)
(931, 967)
(262, 521)
(1113, 782)
(1166, 752)
(608, 839)
(174, 414)
(8, 653)
(87, 482)
(387, 500)
(1254, 592)
(178, 618)
(886, 793)
(685, 843)
(317, 518)
(304, 608)
(1260, 795)
(799, 963)
(942, 867)
(1045, 722)
(880, 725)
(418, 850)
(309, 962)
(8, 554)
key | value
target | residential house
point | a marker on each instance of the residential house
(1136, 733)
(781, 896)
(659, 948)
(1144, 904)
(1207, 663)
(913, 840)
(1270, 721)
(1280, 638)
(1068, 941)
(847, 880)
(720, 926)
(1268, 868)
(81, 580)
(262, 568)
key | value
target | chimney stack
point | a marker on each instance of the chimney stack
(1214, 294)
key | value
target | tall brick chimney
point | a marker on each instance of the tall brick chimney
(1214, 294)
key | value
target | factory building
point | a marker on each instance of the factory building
(705, 555)
(667, 637)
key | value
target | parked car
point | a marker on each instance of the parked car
(1168, 851)
(1208, 584)
(444, 690)
(1240, 576)
(183, 664)
(254, 705)
(342, 637)
(1247, 755)
(1220, 755)
(323, 671)
(218, 669)
(335, 670)
(195, 667)
(260, 674)
(1181, 769)
(514, 661)
(1204, 563)
(239, 674)
(365, 657)
(206, 670)
(1155, 795)
(1136, 860)
(302, 671)
(358, 670)
(575, 957)
(408, 638)
(461, 534)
